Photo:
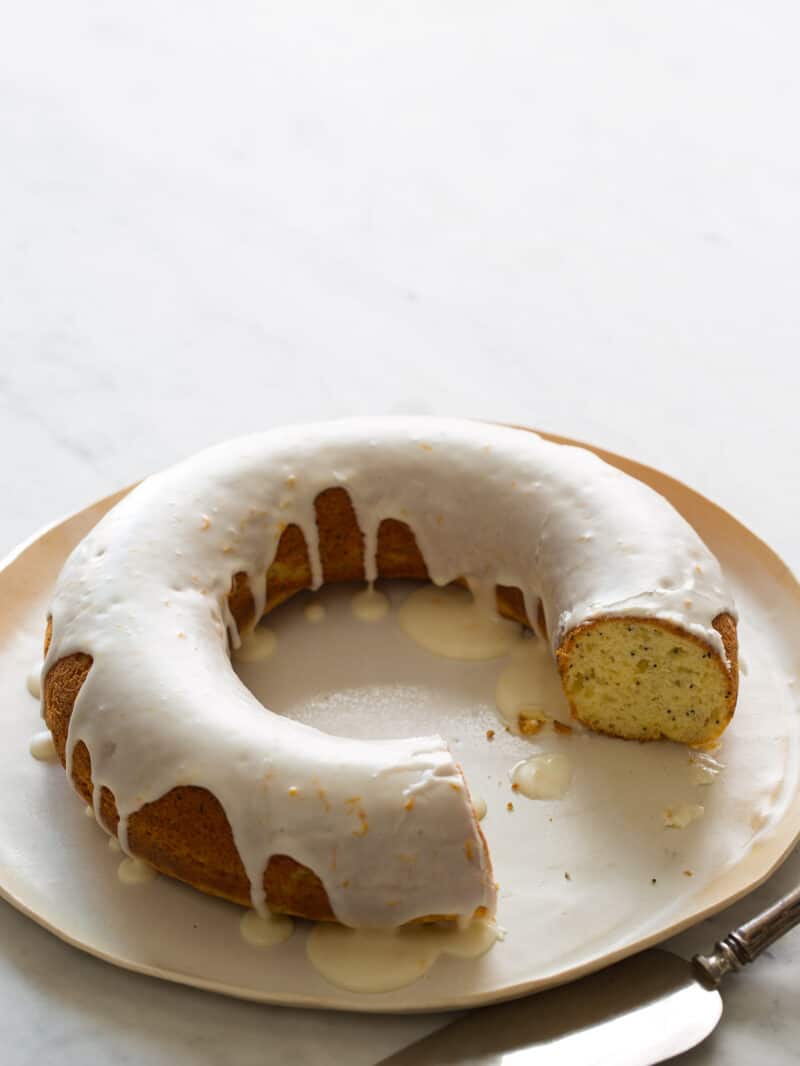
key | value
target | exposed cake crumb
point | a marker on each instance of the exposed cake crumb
(490, 734)
(509, 806)
(529, 723)
(562, 727)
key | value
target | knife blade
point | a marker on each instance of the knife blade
(638, 1012)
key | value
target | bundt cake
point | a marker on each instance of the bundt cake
(198, 779)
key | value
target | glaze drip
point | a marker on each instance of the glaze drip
(42, 748)
(264, 931)
(455, 624)
(380, 960)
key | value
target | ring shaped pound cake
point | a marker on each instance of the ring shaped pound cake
(200, 780)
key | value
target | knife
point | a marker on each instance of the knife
(638, 1012)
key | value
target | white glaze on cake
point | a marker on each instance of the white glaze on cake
(145, 594)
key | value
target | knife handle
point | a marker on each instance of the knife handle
(748, 941)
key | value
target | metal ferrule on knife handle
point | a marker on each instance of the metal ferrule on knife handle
(748, 941)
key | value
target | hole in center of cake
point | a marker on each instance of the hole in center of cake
(348, 675)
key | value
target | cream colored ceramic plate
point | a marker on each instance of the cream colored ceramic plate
(631, 882)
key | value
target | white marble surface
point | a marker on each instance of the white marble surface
(216, 218)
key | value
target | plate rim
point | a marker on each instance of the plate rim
(377, 1004)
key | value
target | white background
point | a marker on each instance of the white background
(215, 218)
